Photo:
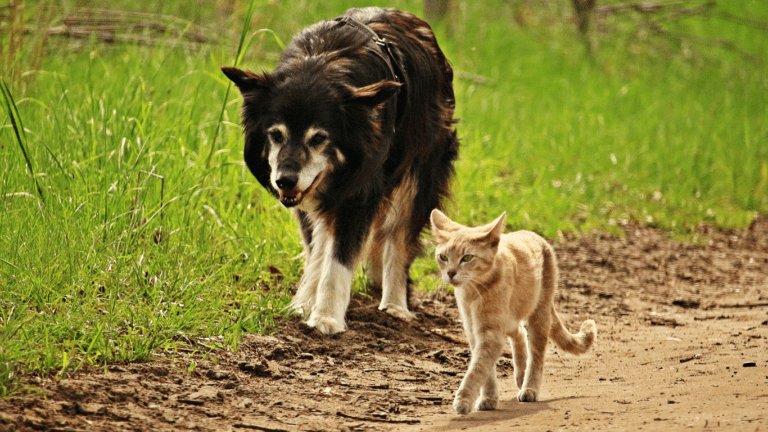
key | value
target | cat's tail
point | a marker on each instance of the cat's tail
(577, 343)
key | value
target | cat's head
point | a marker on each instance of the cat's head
(465, 253)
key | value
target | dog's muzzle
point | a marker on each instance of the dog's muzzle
(290, 196)
(291, 199)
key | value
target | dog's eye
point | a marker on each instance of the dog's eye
(275, 136)
(317, 139)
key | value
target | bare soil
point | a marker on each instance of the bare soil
(682, 344)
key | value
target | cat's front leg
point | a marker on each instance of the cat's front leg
(489, 394)
(517, 338)
(539, 325)
(487, 350)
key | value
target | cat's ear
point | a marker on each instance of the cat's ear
(495, 230)
(498, 224)
(442, 226)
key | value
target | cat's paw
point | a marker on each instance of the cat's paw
(527, 395)
(326, 325)
(462, 405)
(488, 404)
(398, 311)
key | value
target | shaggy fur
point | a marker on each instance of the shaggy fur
(353, 131)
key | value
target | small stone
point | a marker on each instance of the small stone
(217, 375)
(90, 409)
(749, 364)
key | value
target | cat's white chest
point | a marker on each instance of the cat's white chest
(466, 296)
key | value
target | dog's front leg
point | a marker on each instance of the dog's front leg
(394, 294)
(304, 300)
(306, 295)
(333, 282)
(333, 293)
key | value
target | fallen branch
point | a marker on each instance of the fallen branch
(374, 419)
(711, 317)
(643, 7)
(441, 336)
(762, 25)
(448, 338)
(741, 305)
(111, 26)
(258, 427)
(107, 36)
(656, 28)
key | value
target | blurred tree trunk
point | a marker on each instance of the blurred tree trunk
(583, 10)
(436, 9)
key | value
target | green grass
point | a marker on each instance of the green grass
(148, 230)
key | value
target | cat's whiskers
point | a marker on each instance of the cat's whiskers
(476, 285)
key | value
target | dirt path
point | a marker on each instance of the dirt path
(682, 344)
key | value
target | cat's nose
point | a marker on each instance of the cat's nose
(451, 274)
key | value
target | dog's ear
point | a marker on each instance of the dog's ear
(247, 81)
(374, 94)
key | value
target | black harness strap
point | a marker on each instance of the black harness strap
(383, 44)
(385, 53)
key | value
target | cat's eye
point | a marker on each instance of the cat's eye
(443, 258)
(467, 258)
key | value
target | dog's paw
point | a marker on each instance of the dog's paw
(398, 311)
(462, 405)
(488, 404)
(326, 325)
(302, 307)
(299, 309)
(527, 395)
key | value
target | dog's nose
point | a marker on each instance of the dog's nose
(287, 182)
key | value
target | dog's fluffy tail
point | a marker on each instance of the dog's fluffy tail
(577, 343)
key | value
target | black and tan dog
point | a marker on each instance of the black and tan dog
(353, 131)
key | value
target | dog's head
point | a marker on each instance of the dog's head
(303, 125)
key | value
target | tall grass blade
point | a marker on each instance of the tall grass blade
(238, 57)
(18, 129)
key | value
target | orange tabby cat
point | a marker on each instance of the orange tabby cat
(503, 281)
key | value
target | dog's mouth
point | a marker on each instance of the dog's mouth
(293, 198)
